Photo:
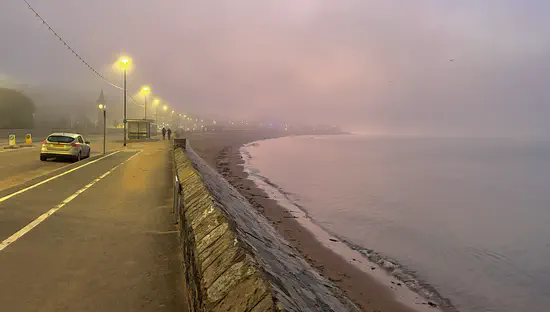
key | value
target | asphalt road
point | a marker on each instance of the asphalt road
(23, 164)
(39, 134)
(97, 235)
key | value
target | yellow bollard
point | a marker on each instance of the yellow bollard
(28, 138)
(11, 139)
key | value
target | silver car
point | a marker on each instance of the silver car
(65, 145)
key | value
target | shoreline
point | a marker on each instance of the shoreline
(329, 255)
(404, 285)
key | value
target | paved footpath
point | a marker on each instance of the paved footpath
(97, 235)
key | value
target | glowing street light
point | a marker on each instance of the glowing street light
(145, 90)
(165, 107)
(124, 63)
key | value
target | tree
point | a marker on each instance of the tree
(16, 110)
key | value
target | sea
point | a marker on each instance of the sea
(468, 218)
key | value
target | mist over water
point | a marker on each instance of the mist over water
(469, 216)
(413, 67)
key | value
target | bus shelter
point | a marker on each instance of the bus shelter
(140, 129)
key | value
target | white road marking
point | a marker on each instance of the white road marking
(54, 177)
(44, 216)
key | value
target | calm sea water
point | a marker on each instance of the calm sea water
(469, 216)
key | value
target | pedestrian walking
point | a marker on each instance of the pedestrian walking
(163, 133)
(169, 133)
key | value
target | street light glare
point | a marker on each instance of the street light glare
(124, 62)
(165, 107)
(145, 90)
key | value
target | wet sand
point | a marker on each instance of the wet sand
(221, 151)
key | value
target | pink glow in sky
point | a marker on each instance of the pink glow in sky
(381, 66)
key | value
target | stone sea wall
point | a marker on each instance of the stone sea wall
(234, 260)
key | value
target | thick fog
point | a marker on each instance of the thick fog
(415, 67)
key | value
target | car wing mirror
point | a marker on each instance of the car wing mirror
(87, 142)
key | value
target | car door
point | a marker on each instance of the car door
(82, 146)
(86, 146)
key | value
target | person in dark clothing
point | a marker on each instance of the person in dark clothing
(163, 133)
(169, 133)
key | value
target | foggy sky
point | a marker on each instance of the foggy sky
(373, 66)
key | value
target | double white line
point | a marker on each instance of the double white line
(5, 243)
(54, 177)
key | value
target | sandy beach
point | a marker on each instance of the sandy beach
(221, 151)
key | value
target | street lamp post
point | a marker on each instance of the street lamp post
(124, 121)
(145, 90)
(156, 104)
(124, 63)
(104, 109)
(172, 118)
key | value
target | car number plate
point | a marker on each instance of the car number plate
(59, 145)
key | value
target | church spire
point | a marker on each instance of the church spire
(101, 99)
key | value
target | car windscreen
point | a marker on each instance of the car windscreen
(60, 139)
